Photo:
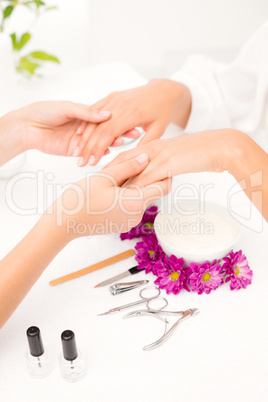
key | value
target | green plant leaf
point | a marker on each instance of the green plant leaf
(44, 56)
(23, 40)
(51, 8)
(38, 3)
(14, 40)
(26, 65)
(27, 4)
(7, 12)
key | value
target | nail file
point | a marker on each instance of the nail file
(94, 267)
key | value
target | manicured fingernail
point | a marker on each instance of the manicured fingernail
(76, 151)
(91, 160)
(80, 161)
(143, 158)
(118, 141)
(136, 134)
(79, 129)
(105, 113)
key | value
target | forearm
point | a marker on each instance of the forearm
(177, 96)
(248, 163)
(12, 136)
(21, 268)
(183, 105)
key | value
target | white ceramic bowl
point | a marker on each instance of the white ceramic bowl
(197, 233)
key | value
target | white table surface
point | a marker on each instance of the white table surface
(219, 355)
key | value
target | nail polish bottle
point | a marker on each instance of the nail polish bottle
(38, 363)
(71, 362)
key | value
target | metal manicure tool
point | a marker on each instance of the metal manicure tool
(155, 312)
(159, 314)
(154, 295)
(125, 287)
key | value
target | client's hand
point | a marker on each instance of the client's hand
(209, 151)
(101, 203)
(152, 107)
(53, 127)
(201, 152)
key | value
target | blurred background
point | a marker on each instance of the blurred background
(153, 36)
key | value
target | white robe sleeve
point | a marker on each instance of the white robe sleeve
(233, 95)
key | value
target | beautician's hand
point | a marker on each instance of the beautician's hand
(96, 205)
(53, 127)
(104, 203)
(152, 107)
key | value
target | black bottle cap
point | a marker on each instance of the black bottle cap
(69, 345)
(35, 341)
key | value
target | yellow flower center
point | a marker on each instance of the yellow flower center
(149, 225)
(151, 252)
(237, 270)
(206, 277)
(174, 275)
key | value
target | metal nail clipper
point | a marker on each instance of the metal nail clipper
(125, 287)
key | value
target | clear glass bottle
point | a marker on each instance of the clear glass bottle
(38, 363)
(72, 364)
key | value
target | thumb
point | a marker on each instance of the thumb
(122, 172)
(86, 113)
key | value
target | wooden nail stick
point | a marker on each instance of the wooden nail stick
(94, 267)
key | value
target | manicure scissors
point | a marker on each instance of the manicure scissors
(146, 296)
(159, 313)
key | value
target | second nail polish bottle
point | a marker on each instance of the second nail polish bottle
(71, 362)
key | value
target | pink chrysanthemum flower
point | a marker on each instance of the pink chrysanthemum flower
(237, 270)
(205, 277)
(148, 253)
(145, 227)
(171, 275)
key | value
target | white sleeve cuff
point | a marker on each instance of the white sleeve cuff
(202, 108)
